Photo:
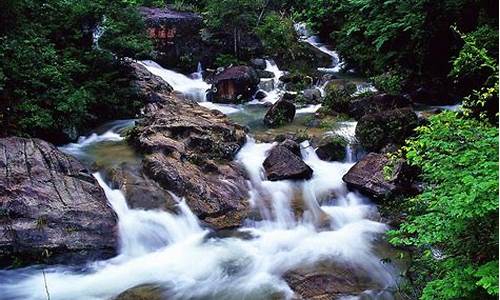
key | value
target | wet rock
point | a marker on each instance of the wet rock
(292, 145)
(189, 150)
(333, 282)
(282, 112)
(266, 85)
(377, 103)
(281, 164)
(234, 85)
(140, 191)
(260, 95)
(52, 209)
(369, 177)
(264, 74)
(332, 148)
(258, 63)
(312, 95)
(143, 292)
(374, 131)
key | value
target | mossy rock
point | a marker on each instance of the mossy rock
(374, 131)
(332, 148)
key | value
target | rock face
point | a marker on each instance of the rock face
(282, 112)
(175, 34)
(51, 208)
(375, 104)
(367, 176)
(189, 150)
(234, 85)
(282, 163)
(374, 131)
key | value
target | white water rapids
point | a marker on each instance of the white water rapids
(172, 250)
(175, 252)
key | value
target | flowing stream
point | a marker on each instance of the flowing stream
(302, 224)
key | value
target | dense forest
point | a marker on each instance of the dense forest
(57, 82)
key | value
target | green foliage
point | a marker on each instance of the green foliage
(224, 60)
(413, 36)
(338, 97)
(458, 211)
(54, 82)
(234, 17)
(278, 36)
(390, 82)
(476, 68)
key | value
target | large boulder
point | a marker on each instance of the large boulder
(374, 131)
(281, 113)
(332, 148)
(312, 95)
(52, 209)
(377, 103)
(189, 150)
(329, 282)
(234, 85)
(380, 178)
(176, 36)
(281, 163)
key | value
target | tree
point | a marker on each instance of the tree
(235, 17)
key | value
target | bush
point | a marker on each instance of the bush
(224, 60)
(390, 82)
(338, 97)
(475, 70)
(454, 222)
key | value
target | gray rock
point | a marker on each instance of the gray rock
(312, 95)
(281, 164)
(52, 209)
(368, 176)
(258, 63)
(189, 150)
(282, 112)
(332, 148)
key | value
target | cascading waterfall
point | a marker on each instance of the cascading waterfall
(301, 224)
(192, 88)
(110, 134)
(314, 41)
(173, 250)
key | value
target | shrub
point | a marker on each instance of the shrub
(390, 82)
(454, 222)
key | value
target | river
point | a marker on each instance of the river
(338, 230)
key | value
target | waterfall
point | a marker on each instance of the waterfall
(304, 35)
(98, 32)
(110, 134)
(192, 88)
(173, 251)
(301, 224)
